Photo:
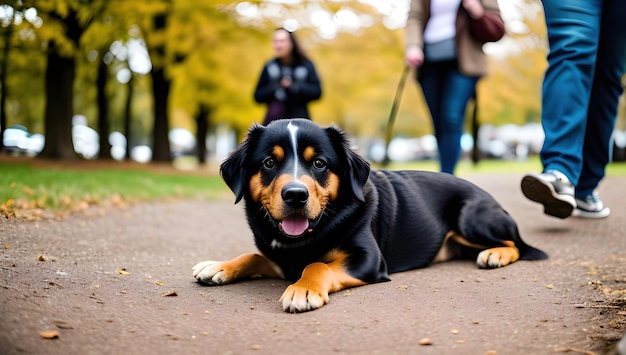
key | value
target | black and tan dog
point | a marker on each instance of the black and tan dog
(322, 218)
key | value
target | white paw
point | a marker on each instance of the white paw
(299, 299)
(496, 257)
(210, 272)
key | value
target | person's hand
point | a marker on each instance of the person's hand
(474, 8)
(286, 82)
(414, 56)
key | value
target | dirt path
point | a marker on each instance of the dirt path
(121, 282)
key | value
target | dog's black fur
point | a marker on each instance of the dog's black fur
(379, 222)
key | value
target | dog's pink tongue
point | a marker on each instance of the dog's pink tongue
(295, 225)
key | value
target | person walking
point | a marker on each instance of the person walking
(444, 39)
(289, 81)
(581, 89)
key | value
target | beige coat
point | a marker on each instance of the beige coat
(472, 59)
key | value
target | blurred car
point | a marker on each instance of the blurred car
(18, 141)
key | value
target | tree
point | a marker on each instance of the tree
(7, 34)
(67, 21)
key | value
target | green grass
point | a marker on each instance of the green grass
(26, 185)
(55, 188)
(466, 167)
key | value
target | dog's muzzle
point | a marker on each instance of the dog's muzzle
(295, 196)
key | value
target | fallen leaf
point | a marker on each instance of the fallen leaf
(170, 294)
(550, 286)
(42, 257)
(454, 331)
(425, 341)
(49, 334)
(123, 272)
(7, 245)
(159, 283)
(403, 287)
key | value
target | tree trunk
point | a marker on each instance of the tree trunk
(161, 90)
(128, 114)
(160, 139)
(202, 127)
(60, 73)
(3, 81)
(103, 111)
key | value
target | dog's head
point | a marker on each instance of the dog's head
(294, 169)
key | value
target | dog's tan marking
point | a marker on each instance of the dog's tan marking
(333, 186)
(256, 187)
(451, 247)
(317, 281)
(487, 258)
(244, 266)
(279, 153)
(271, 196)
(309, 153)
(318, 196)
(499, 256)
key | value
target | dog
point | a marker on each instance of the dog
(322, 218)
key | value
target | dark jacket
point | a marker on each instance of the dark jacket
(291, 102)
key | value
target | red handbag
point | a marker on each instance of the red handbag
(489, 28)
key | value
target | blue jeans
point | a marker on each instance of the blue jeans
(447, 93)
(582, 86)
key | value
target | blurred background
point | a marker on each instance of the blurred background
(172, 80)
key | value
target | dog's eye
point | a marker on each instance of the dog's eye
(269, 163)
(319, 164)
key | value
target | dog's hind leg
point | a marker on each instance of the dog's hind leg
(488, 258)
(485, 226)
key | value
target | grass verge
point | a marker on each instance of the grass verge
(29, 188)
(24, 187)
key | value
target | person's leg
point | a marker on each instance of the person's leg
(430, 79)
(606, 90)
(573, 32)
(457, 91)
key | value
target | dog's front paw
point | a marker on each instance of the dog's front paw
(297, 298)
(212, 272)
(497, 257)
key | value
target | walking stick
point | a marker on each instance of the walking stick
(394, 112)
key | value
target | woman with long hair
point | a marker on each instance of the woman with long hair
(288, 81)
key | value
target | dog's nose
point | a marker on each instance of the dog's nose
(295, 194)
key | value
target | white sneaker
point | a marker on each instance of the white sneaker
(591, 207)
(553, 190)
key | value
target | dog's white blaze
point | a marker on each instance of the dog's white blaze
(293, 129)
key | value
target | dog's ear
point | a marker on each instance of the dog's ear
(359, 173)
(234, 169)
(358, 169)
